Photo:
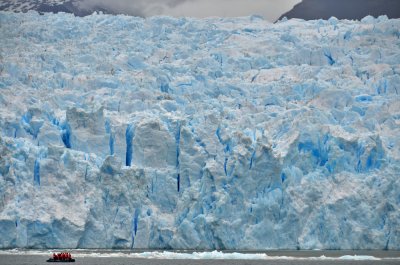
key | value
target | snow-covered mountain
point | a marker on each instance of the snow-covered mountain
(125, 132)
(52, 6)
(24, 6)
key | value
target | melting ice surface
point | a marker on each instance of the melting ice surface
(122, 132)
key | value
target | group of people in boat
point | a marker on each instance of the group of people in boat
(62, 256)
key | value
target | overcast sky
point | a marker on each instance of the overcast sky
(269, 9)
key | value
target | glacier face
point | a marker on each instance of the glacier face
(122, 132)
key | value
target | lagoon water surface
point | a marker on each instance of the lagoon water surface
(124, 257)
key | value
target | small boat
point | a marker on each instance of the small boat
(57, 260)
(61, 257)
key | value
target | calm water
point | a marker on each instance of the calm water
(295, 257)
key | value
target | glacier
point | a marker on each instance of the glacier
(183, 133)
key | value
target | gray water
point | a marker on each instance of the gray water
(298, 258)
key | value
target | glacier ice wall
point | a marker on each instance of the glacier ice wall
(122, 132)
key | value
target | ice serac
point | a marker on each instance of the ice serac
(122, 132)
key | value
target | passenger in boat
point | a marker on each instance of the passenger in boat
(54, 256)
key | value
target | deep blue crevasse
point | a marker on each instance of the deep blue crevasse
(227, 149)
(129, 147)
(177, 141)
(111, 143)
(107, 127)
(134, 225)
(66, 135)
(252, 159)
(329, 57)
(36, 172)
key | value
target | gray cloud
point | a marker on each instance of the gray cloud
(270, 9)
(142, 8)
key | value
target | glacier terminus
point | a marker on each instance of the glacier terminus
(183, 133)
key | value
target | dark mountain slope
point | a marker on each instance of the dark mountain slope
(344, 9)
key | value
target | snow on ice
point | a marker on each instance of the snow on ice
(234, 133)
